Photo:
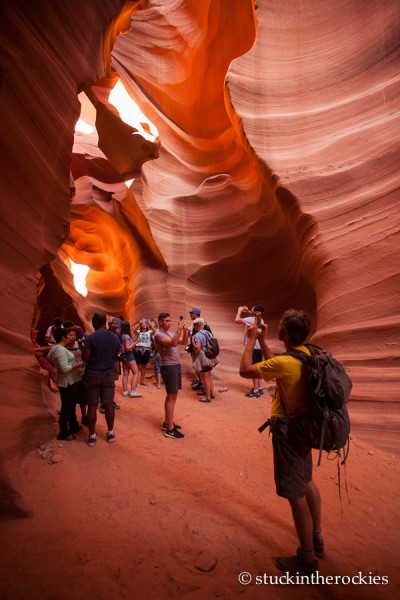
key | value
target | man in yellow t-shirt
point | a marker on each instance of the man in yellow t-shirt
(292, 459)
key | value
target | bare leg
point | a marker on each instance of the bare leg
(207, 383)
(169, 410)
(314, 504)
(110, 415)
(91, 419)
(125, 377)
(257, 384)
(135, 372)
(303, 523)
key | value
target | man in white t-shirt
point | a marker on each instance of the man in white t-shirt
(247, 317)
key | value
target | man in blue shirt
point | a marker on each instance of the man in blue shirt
(100, 351)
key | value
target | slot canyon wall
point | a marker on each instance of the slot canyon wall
(274, 179)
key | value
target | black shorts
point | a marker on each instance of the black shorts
(292, 468)
(257, 356)
(172, 378)
(142, 358)
(98, 387)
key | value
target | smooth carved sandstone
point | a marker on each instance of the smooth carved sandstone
(274, 179)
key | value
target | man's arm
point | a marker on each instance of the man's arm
(175, 340)
(238, 318)
(262, 338)
(185, 336)
(86, 352)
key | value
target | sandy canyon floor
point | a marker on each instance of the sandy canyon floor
(150, 517)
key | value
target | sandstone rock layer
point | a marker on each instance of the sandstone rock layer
(274, 179)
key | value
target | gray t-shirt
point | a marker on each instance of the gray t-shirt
(169, 354)
(104, 346)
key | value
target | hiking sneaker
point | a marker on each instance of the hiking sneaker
(173, 434)
(319, 548)
(102, 409)
(296, 565)
(92, 439)
(165, 426)
(116, 406)
(195, 381)
(110, 437)
(125, 394)
(253, 394)
(203, 392)
(135, 395)
(197, 386)
(68, 437)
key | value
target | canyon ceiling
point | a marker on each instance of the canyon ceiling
(274, 178)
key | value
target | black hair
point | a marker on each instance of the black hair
(258, 308)
(69, 324)
(58, 322)
(297, 324)
(61, 332)
(126, 328)
(99, 320)
(162, 316)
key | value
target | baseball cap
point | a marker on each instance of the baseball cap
(195, 310)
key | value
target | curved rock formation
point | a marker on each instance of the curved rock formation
(276, 179)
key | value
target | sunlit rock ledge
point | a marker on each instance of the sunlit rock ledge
(273, 177)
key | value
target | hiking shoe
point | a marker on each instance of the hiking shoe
(125, 394)
(296, 565)
(165, 426)
(92, 439)
(110, 437)
(69, 437)
(173, 434)
(135, 395)
(195, 381)
(197, 386)
(319, 548)
(253, 394)
(102, 409)
(116, 406)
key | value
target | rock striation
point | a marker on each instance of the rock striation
(274, 179)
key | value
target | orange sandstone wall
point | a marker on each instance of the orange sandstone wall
(275, 179)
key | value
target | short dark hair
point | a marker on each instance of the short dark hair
(58, 321)
(99, 320)
(297, 324)
(61, 332)
(69, 324)
(163, 315)
(258, 308)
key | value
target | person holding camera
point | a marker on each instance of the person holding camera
(201, 363)
(197, 384)
(247, 317)
(167, 345)
(292, 457)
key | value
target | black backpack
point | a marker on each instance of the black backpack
(326, 424)
(211, 349)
